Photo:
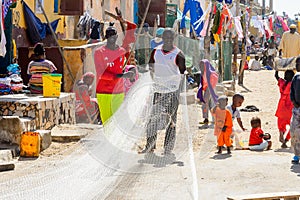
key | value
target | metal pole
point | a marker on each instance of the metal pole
(236, 46)
(263, 8)
(271, 5)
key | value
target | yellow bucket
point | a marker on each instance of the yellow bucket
(51, 85)
(30, 144)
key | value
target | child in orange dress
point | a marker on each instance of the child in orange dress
(223, 124)
(285, 105)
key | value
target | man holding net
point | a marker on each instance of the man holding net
(167, 66)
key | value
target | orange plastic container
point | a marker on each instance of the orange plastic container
(30, 144)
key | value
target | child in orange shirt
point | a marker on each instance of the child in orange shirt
(258, 140)
(223, 124)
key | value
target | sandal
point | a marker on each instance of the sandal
(204, 122)
(295, 160)
(284, 145)
(281, 139)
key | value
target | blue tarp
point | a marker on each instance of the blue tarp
(35, 28)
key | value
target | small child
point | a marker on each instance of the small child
(237, 101)
(129, 82)
(255, 65)
(223, 124)
(258, 141)
(87, 109)
(285, 105)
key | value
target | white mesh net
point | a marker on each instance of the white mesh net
(107, 164)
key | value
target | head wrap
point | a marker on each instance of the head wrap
(159, 31)
(88, 75)
(39, 49)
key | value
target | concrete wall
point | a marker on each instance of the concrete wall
(19, 20)
(67, 25)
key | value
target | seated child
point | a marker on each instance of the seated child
(223, 124)
(237, 101)
(85, 105)
(258, 141)
(255, 65)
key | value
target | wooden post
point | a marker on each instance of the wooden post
(235, 46)
(245, 30)
(221, 60)
(243, 54)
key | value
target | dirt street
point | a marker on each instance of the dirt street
(91, 169)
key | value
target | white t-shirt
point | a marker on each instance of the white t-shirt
(235, 114)
(255, 65)
(166, 72)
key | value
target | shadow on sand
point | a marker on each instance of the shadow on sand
(296, 169)
(246, 90)
(221, 156)
(284, 150)
(160, 161)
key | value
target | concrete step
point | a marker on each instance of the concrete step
(11, 128)
(7, 166)
(73, 133)
(66, 135)
(46, 138)
(6, 160)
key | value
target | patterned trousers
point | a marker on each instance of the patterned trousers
(295, 131)
(163, 115)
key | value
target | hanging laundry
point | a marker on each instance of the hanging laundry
(6, 5)
(279, 27)
(3, 38)
(238, 27)
(196, 12)
(35, 28)
(283, 23)
(216, 22)
(84, 25)
(271, 22)
(226, 1)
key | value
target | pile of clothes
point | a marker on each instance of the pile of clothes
(16, 83)
(5, 86)
(12, 83)
(36, 80)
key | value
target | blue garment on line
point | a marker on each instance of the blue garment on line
(196, 13)
(226, 1)
(35, 28)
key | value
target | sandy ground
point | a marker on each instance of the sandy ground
(246, 172)
(200, 174)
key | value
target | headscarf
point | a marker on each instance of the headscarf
(208, 80)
